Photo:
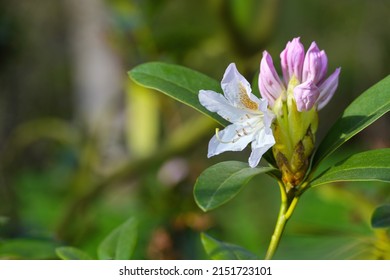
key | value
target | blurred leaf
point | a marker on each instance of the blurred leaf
(3, 220)
(221, 182)
(251, 22)
(31, 131)
(23, 248)
(362, 112)
(173, 38)
(381, 217)
(120, 243)
(218, 250)
(178, 82)
(143, 125)
(371, 165)
(71, 253)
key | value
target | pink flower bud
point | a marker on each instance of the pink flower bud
(304, 76)
(306, 95)
(327, 89)
(315, 64)
(269, 82)
(292, 60)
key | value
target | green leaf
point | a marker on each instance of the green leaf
(120, 243)
(381, 217)
(27, 249)
(362, 112)
(71, 253)
(223, 181)
(218, 250)
(371, 165)
(178, 82)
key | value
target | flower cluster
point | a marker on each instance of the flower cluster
(304, 74)
(285, 118)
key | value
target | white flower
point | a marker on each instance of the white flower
(250, 118)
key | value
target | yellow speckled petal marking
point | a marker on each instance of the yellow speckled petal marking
(244, 98)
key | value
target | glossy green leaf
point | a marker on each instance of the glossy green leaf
(381, 217)
(362, 112)
(223, 181)
(178, 82)
(371, 165)
(218, 250)
(71, 253)
(120, 243)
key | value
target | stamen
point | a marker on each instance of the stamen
(234, 140)
(239, 133)
(219, 139)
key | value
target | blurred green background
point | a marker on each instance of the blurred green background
(82, 148)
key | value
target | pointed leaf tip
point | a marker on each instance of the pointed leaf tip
(218, 250)
(120, 243)
(221, 182)
(381, 217)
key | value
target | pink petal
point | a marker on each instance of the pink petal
(328, 88)
(292, 58)
(306, 95)
(270, 85)
(315, 64)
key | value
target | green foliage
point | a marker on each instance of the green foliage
(120, 243)
(381, 217)
(24, 248)
(178, 82)
(363, 111)
(371, 165)
(71, 253)
(218, 250)
(221, 182)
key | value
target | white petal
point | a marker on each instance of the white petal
(255, 157)
(263, 104)
(216, 102)
(229, 139)
(268, 117)
(264, 140)
(238, 90)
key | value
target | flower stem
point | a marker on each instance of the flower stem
(287, 208)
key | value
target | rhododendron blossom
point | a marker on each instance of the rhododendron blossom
(250, 118)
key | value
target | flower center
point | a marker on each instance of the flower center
(249, 128)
